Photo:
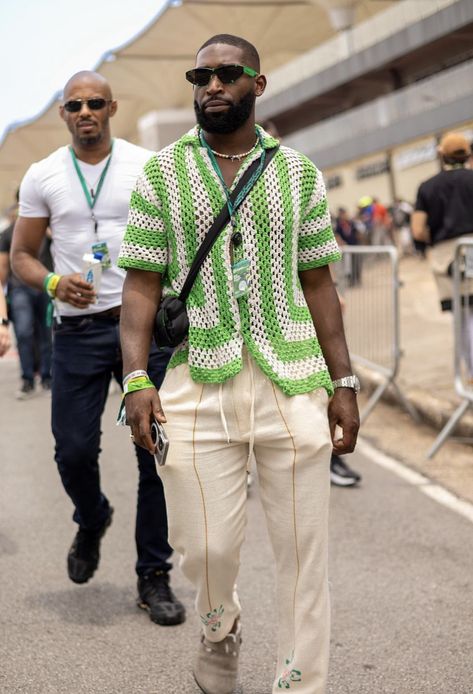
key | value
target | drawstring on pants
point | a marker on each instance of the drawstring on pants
(222, 413)
(252, 414)
(223, 419)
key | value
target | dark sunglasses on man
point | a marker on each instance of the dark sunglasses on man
(96, 104)
(227, 74)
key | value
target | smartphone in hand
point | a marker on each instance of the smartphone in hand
(161, 442)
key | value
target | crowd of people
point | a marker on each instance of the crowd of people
(260, 370)
(376, 224)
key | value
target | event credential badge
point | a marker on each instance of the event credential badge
(101, 247)
(241, 280)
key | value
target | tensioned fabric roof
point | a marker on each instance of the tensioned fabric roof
(148, 72)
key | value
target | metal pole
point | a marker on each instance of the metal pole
(448, 428)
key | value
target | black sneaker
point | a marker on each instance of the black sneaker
(84, 555)
(341, 475)
(155, 596)
(26, 391)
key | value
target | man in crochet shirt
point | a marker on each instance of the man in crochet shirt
(264, 369)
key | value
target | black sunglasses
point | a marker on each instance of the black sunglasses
(75, 105)
(227, 74)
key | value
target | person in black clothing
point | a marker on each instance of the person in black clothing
(28, 309)
(443, 209)
(347, 233)
(444, 212)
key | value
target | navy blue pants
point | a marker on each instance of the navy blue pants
(29, 308)
(86, 355)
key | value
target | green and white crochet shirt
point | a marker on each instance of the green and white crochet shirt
(285, 225)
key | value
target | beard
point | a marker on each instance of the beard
(225, 122)
(85, 140)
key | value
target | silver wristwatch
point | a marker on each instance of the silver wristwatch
(352, 382)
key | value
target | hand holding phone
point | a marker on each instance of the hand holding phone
(160, 441)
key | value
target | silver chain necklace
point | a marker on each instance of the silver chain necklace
(235, 157)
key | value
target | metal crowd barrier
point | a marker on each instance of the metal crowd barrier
(368, 281)
(463, 336)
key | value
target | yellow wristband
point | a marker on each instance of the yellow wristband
(51, 285)
(139, 383)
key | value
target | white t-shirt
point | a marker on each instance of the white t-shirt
(51, 189)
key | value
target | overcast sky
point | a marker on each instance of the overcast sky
(44, 42)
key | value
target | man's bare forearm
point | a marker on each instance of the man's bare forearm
(324, 306)
(30, 270)
(141, 297)
(27, 238)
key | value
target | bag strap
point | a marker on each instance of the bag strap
(219, 222)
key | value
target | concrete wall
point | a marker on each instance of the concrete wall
(157, 129)
(410, 164)
(402, 127)
(403, 27)
(434, 104)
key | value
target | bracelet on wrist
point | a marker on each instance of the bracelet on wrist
(139, 383)
(131, 386)
(134, 374)
(50, 283)
(46, 280)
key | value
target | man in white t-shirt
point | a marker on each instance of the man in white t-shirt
(82, 193)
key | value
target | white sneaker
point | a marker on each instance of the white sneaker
(216, 665)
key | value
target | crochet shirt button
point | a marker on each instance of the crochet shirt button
(237, 238)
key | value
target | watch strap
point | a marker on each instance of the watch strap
(347, 382)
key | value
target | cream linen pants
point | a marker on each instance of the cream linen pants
(212, 428)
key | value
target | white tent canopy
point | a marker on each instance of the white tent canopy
(148, 73)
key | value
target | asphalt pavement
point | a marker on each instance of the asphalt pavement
(401, 583)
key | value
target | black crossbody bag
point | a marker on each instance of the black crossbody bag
(171, 324)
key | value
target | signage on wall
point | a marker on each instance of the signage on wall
(427, 151)
(374, 168)
(413, 156)
(334, 181)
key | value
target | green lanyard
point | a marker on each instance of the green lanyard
(232, 207)
(89, 195)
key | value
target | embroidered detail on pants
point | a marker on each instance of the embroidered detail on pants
(213, 619)
(289, 674)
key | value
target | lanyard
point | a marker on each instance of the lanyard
(233, 206)
(89, 196)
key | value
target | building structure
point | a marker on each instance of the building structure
(369, 105)
(364, 87)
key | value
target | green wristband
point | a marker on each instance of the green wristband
(50, 284)
(46, 280)
(135, 384)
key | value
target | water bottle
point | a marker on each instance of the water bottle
(92, 270)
